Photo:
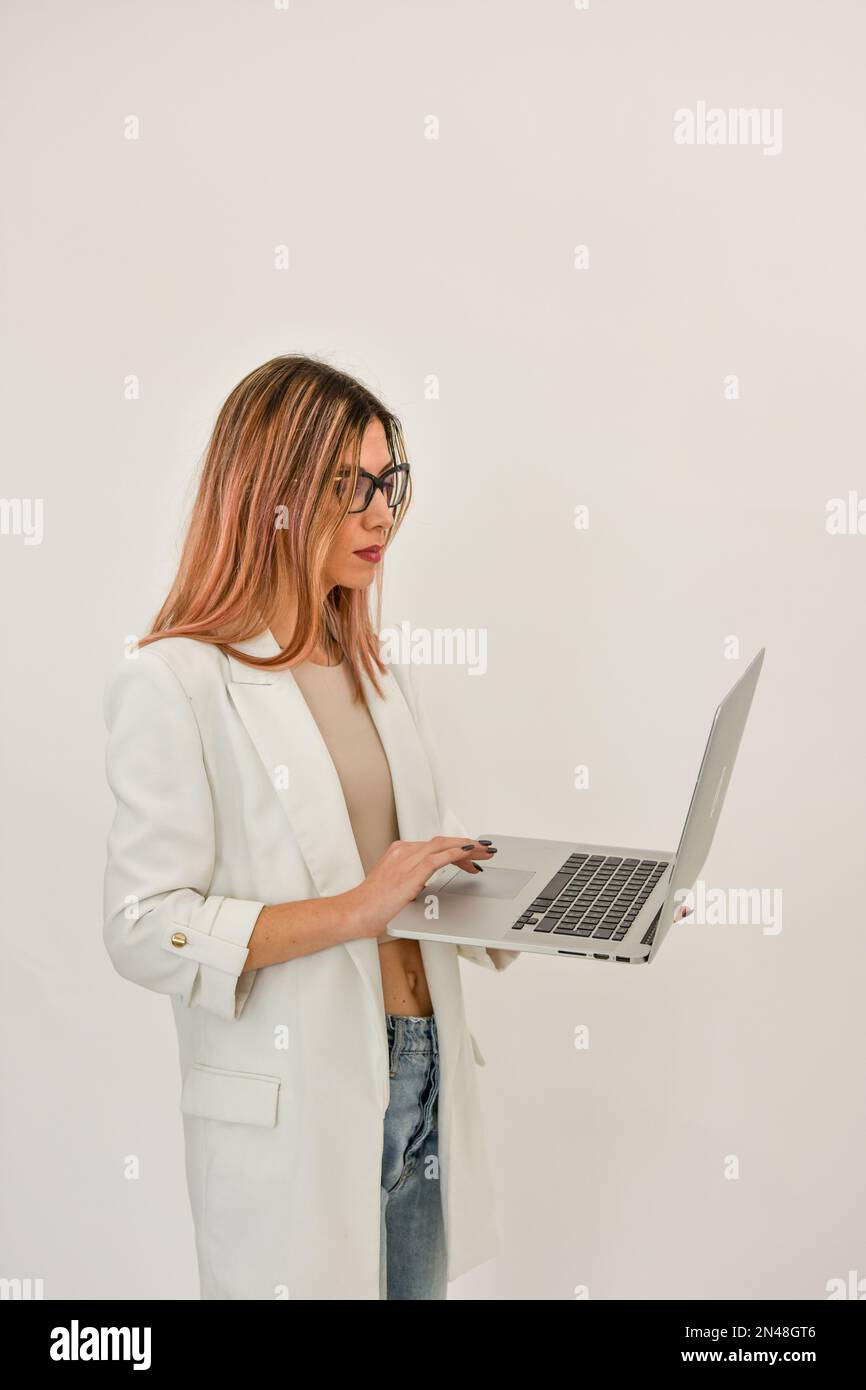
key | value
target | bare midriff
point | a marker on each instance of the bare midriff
(404, 983)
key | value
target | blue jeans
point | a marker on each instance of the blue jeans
(412, 1232)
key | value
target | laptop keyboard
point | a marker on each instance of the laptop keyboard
(593, 895)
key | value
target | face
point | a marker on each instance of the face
(360, 531)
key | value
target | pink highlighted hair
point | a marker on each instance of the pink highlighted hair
(265, 514)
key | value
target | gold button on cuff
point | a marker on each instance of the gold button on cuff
(178, 939)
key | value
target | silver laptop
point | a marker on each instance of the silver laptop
(598, 901)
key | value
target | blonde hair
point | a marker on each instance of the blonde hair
(267, 510)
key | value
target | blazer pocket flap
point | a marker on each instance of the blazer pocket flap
(479, 1055)
(216, 1093)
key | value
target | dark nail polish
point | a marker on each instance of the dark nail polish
(478, 867)
(472, 846)
(485, 842)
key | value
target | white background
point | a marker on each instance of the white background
(441, 271)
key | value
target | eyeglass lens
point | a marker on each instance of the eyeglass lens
(394, 488)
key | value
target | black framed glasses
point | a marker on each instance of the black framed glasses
(393, 484)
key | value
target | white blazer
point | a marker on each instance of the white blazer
(227, 800)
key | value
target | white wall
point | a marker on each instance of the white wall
(411, 259)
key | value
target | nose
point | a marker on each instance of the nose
(379, 513)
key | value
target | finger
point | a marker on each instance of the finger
(452, 852)
(437, 859)
(466, 842)
(418, 856)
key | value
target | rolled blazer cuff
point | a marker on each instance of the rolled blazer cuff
(218, 945)
(491, 957)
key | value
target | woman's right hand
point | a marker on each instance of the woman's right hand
(400, 875)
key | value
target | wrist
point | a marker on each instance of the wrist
(351, 915)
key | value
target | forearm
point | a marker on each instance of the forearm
(287, 930)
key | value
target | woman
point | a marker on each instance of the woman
(278, 803)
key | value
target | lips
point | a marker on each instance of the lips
(370, 550)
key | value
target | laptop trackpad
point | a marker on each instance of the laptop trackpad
(492, 883)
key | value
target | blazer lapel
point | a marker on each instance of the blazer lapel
(287, 738)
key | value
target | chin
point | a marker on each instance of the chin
(354, 580)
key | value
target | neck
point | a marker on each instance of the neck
(282, 624)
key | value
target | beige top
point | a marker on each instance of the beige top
(353, 742)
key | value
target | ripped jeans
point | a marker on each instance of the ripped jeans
(412, 1233)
